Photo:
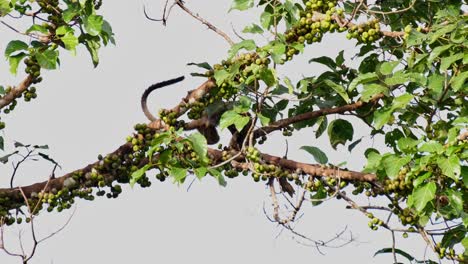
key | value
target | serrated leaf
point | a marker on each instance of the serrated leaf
(200, 172)
(446, 62)
(70, 41)
(339, 90)
(253, 29)
(14, 46)
(241, 5)
(93, 24)
(423, 195)
(340, 131)
(318, 154)
(437, 51)
(232, 118)
(221, 76)
(247, 44)
(450, 166)
(459, 80)
(178, 174)
(415, 38)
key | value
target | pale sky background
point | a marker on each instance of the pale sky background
(81, 112)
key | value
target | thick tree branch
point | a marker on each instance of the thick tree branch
(313, 114)
(16, 91)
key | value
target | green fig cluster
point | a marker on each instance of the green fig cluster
(317, 19)
(365, 33)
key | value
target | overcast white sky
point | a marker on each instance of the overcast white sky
(81, 112)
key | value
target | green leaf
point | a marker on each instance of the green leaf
(319, 196)
(446, 62)
(47, 59)
(266, 19)
(393, 164)
(247, 44)
(288, 83)
(450, 166)
(38, 28)
(268, 76)
(70, 13)
(15, 45)
(381, 117)
(242, 105)
(322, 126)
(420, 179)
(253, 29)
(362, 78)
(4, 7)
(406, 144)
(93, 24)
(415, 38)
(327, 61)
(453, 236)
(264, 120)
(70, 41)
(432, 147)
(437, 51)
(221, 76)
(340, 58)
(423, 195)
(373, 160)
(200, 172)
(219, 176)
(276, 50)
(397, 251)
(199, 144)
(241, 5)
(138, 174)
(178, 174)
(93, 47)
(459, 80)
(436, 84)
(387, 67)
(318, 154)
(204, 65)
(15, 60)
(340, 131)
(339, 90)
(232, 118)
(372, 89)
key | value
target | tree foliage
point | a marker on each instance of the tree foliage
(409, 85)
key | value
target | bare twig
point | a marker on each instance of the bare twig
(204, 21)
